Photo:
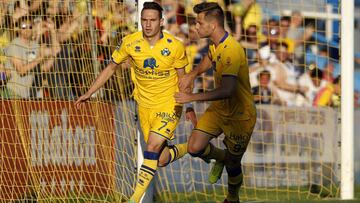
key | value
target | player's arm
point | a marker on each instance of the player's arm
(189, 78)
(118, 56)
(99, 82)
(232, 63)
(226, 90)
(190, 113)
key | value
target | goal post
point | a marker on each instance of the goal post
(347, 99)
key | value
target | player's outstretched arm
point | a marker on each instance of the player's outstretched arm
(226, 90)
(188, 79)
(99, 81)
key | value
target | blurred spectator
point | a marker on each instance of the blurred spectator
(246, 13)
(269, 26)
(284, 26)
(263, 93)
(319, 55)
(24, 56)
(263, 63)
(68, 60)
(299, 35)
(329, 95)
(313, 79)
(250, 44)
(286, 80)
(108, 18)
(272, 33)
(5, 28)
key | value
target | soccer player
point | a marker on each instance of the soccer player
(233, 111)
(158, 60)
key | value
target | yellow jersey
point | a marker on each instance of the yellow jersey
(154, 68)
(229, 59)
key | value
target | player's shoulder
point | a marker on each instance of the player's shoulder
(232, 44)
(171, 39)
(132, 38)
(233, 47)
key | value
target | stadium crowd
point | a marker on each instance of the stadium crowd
(52, 49)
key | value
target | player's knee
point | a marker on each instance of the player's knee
(194, 151)
(154, 147)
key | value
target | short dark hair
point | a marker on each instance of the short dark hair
(153, 6)
(212, 10)
(283, 44)
(337, 80)
(316, 73)
(264, 72)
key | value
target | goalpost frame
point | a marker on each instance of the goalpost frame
(347, 99)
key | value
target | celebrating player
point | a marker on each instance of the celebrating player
(158, 59)
(233, 111)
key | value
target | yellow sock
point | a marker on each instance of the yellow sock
(177, 151)
(147, 172)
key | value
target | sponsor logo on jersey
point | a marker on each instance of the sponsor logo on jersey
(151, 63)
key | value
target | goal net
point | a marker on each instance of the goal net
(292, 49)
(51, 51)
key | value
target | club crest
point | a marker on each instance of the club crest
(137, 49)
(165, 52)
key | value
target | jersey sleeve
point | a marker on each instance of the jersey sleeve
(120, 54)
(180, 57)
(231, 62)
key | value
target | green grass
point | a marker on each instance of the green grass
(279, 195)
(293, 195)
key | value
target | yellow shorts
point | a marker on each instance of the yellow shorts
(162, 120)
(237, 132)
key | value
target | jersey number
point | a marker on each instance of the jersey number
(165, 123)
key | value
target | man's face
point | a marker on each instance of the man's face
(26, 29)
(151, 22)
(282, 53)
(284, 27)
(316, 81)
(203, 27)
(264, 80)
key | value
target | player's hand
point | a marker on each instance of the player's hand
(182, 97)
(81, 101)
(190, 115)
(186, 81)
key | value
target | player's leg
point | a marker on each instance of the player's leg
(237, 137)
(235, 176)
(199, 145)
(171, 153)
(148, 168)
(164, 122)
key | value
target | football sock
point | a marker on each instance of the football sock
(212, 152)
(177, 151)
(235, 179)
(147, 172)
